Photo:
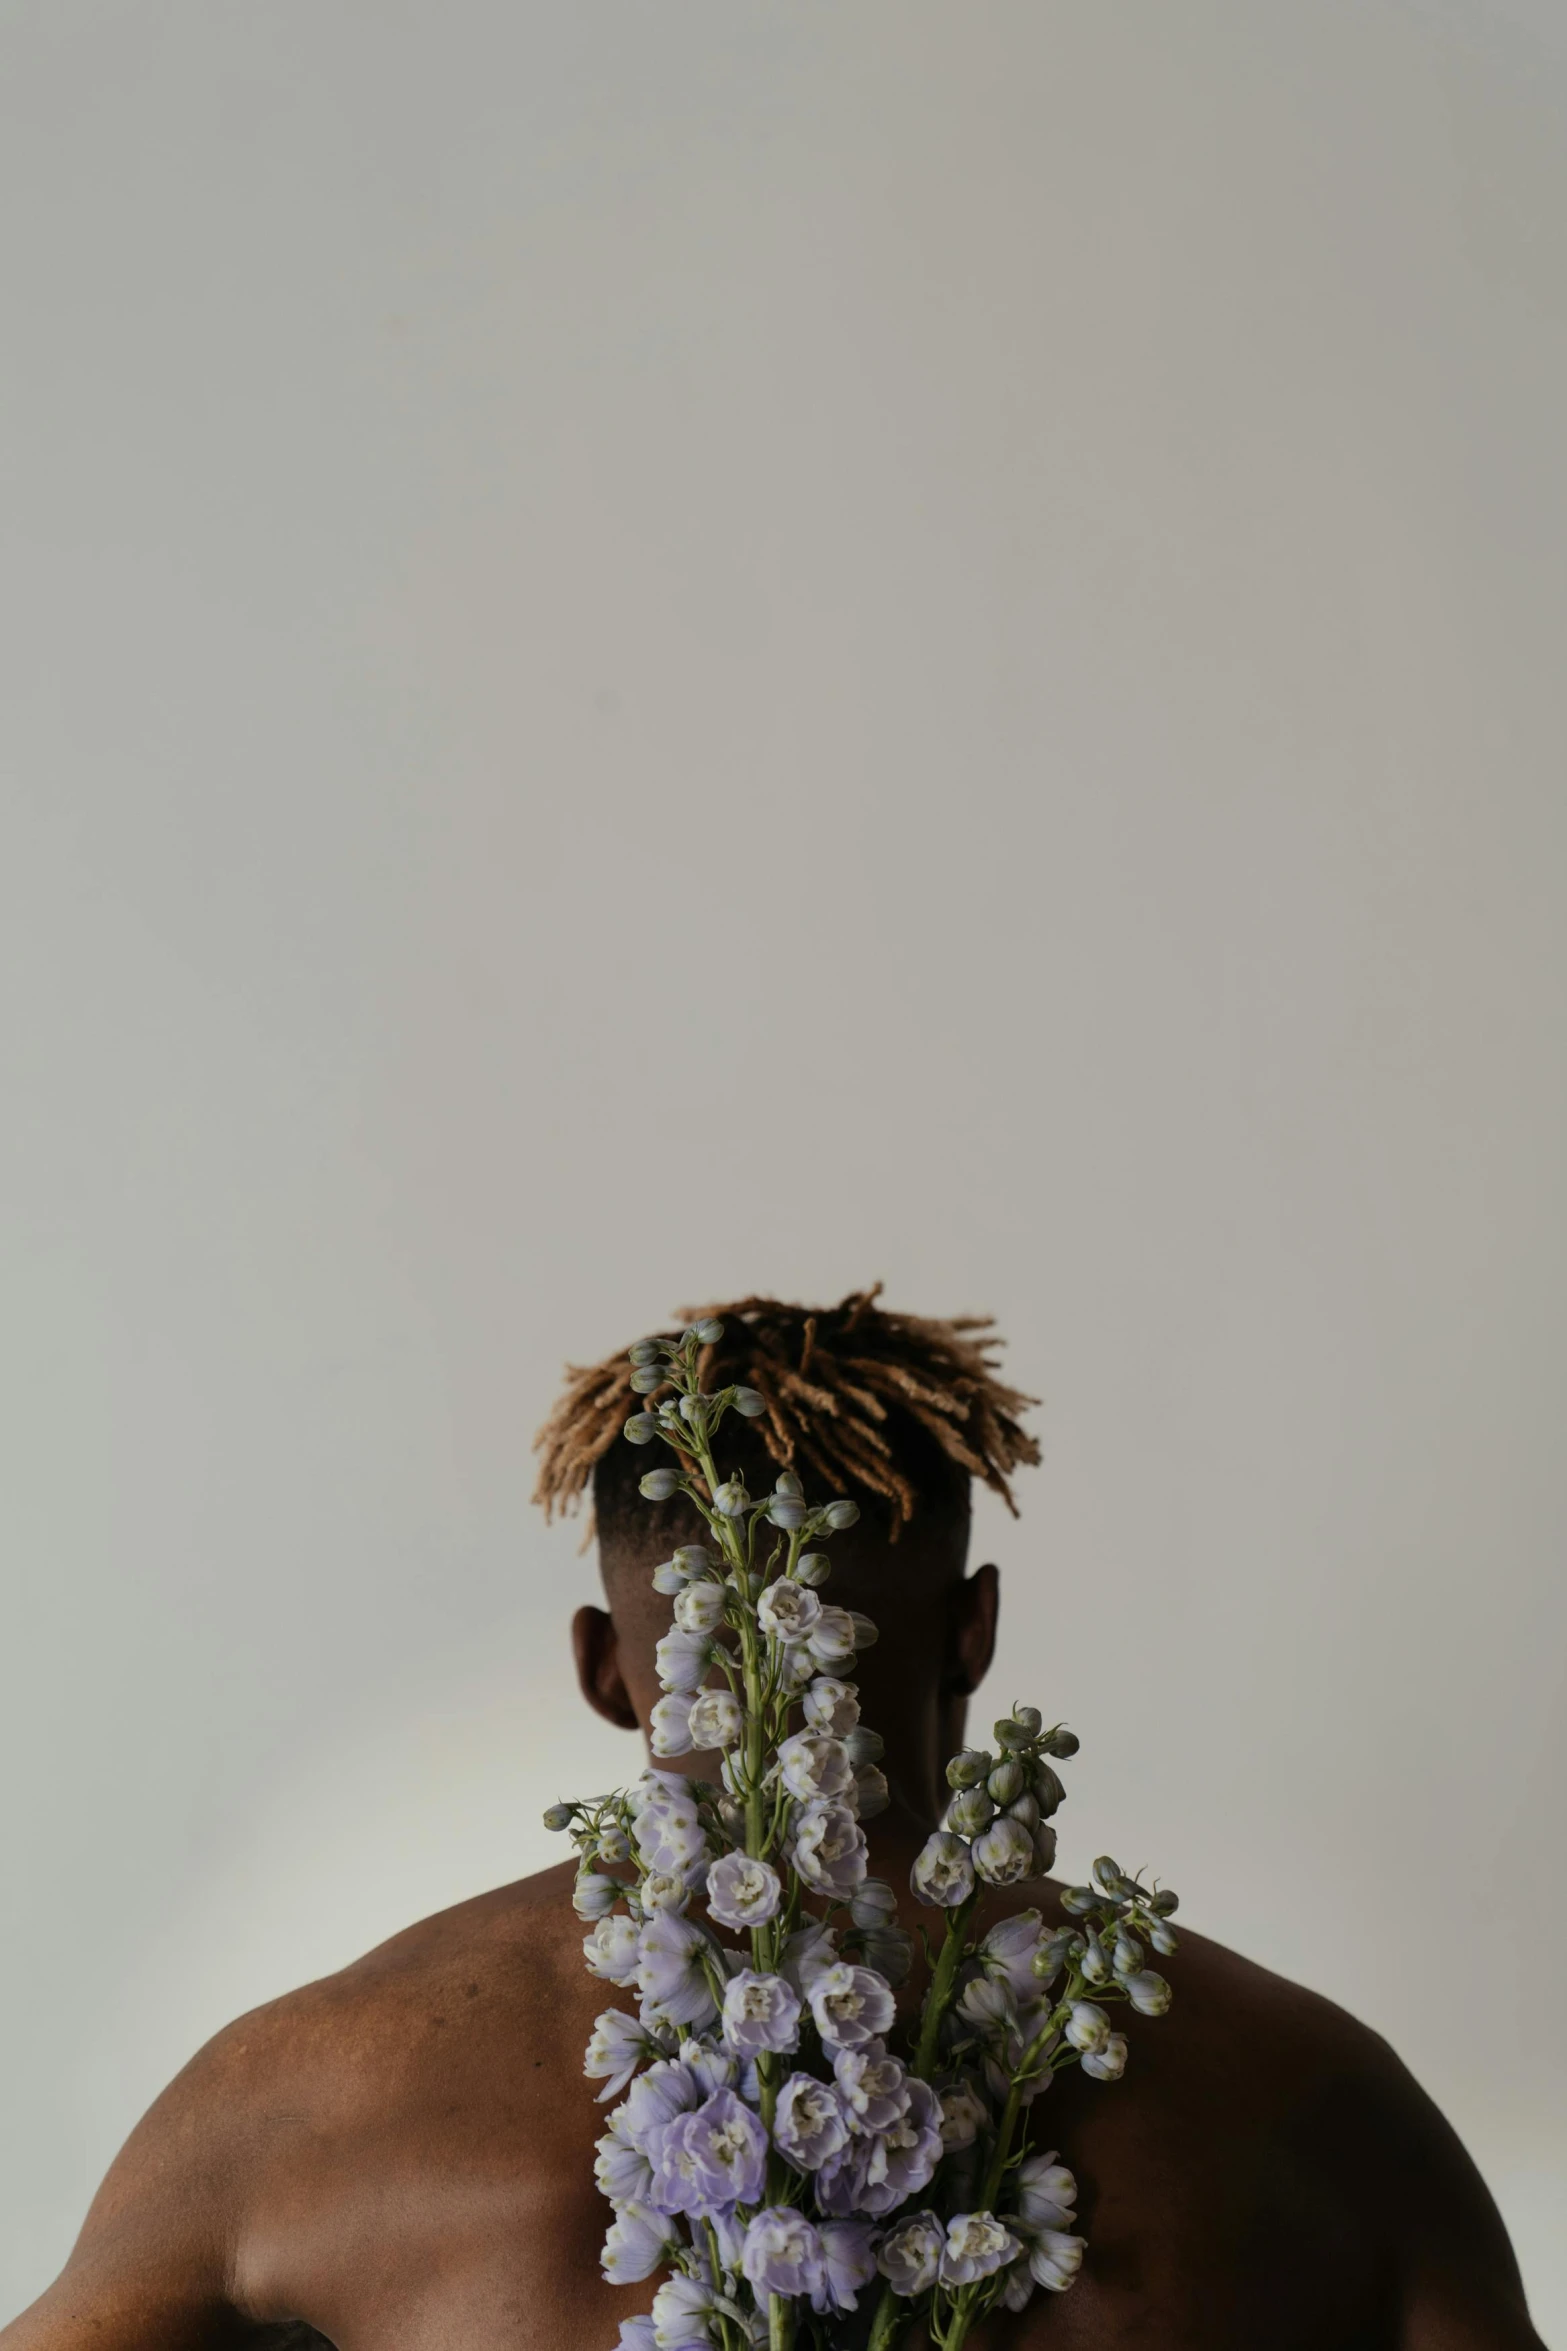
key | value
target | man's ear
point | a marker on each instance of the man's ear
(597, 1651)
(971, 1632)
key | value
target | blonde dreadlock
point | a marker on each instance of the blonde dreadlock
(830, 1377)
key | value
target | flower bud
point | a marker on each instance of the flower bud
(594, 1896)
(1025, 1809)
(1030, 1719)
(1053, 1954)
(1163, 1938)
(1087, 2027)
(865, 1634)
(694, 1559)
(1149, 1994)
(1166, 1903)
(1007, 1781)
(708, 1331)
(1045, 1848)
(788, 1483)
(1061, 1742)
(871, 1794)
(1109, 1878)
(656, 1485)
(1094, 1965)
(1127, 1956)
(841, 1514)
(1048, 1789)
(969, 1812)
(967, 1769)
(788, 1512)
(731, 1499)
(865, 1746)
(646, 1378)
(641, 1429)
(731, 1814)
(560, 1816)
(873, 1903)
(614, 1846)
(812, 1567)
(748, 1402)
(667, 1578)
(645, 1351)
(693, 1411)
(1011, 1734)
(1078, 1901)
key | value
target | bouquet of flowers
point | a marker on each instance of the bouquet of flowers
(809, 2169)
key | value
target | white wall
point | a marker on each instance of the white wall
(652, 649)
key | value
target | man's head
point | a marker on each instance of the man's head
(898, 1412)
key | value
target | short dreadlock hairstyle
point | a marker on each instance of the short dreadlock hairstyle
(895, 1410)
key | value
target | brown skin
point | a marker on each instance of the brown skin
(401, 2155)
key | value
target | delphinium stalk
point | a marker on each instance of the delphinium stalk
(773, 2151)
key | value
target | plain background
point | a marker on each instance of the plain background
(652, 650)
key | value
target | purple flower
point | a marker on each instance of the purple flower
(829, 1848)
(672, 1971)
(742, 1892)
(872, 2085)
(636, 2243)
(849, 2263)
(669, 1724)
(851, 2005)
(875, 2174)
(619, 2045)
(636, 2334)
(710, 2066)
(806, 1953)
(910, 2254)
(783, 2253)
(760, 2012)
(977, 2246)
(943, 1873)
(710, 2160)
(1008, 1949)
(809, 2126)
(656, 2097)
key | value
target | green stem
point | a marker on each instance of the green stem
(780, 2323)
(891, 2314)
(939, 1997)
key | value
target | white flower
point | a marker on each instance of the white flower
(964, 2115)
(743, 1892)
(681, 2310)
(717, 1719)
(1046, 2193)
(760, 2012)
(672, 1971)
(910, 2254)
(1004, 1855)
(943, 1872)
(851, 2005)
(699, 1608)
(977, 2245)
(1109, 2063)
(669, 1724)
(829, 1848)
(664, 1889)
(787, 1610)
(669, 1828)
(683, 1659)
(831, 1638)
(831, 1705)
(1008, 1951)
(1054, 2260)
(638, 2242)
(611, 1950)
(814, 1766)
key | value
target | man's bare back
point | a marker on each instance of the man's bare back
(401, 2157)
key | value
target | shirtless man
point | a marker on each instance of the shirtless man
(400, 2158)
